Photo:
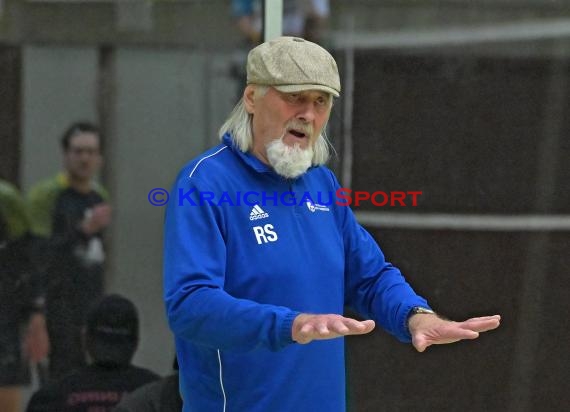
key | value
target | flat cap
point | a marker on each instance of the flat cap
(293, 64)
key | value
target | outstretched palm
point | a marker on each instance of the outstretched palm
(427, 330)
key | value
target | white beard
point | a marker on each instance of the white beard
(289, 161)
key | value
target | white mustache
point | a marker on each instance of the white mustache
(300, 126)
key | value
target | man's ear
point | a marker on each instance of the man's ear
(249, 98)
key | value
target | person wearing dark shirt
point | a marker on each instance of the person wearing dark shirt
(68, 214)
(23, 336)
(111, 337)
(159, 396)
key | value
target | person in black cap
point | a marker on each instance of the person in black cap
(111, 337)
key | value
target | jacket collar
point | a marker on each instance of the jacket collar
(249, 159)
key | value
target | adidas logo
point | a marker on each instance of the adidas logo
(257, 213)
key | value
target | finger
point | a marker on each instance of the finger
(303, 338)
(420, 344)
(476, 322)
(307, 329)
(322, 329)
(350, 323)
(471, 334)
(361, 328)
(485, 327)
(451, 332)
(369, 325)
(339, 327)
(480, 325)
(485, 318)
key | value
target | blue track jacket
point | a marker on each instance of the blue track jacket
(246, 251)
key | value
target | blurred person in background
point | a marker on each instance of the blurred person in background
(301, 18)
(23, 335)
(159, 396)
(110, 339)
(69, 213)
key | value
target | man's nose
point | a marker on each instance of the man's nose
(306, 113)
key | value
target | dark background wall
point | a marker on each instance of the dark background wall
(477, 135)
(468, 131)
(464, 275)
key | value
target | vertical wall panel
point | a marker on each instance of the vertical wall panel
(59, 87)
(159, 125)
(10, 68)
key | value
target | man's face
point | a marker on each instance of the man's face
(298, 117)
(82, 158)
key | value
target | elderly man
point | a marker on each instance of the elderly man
(258, 270)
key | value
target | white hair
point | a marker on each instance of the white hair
(239, 126)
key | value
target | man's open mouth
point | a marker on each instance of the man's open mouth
(297, 133)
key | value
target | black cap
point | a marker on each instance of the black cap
(112, 331)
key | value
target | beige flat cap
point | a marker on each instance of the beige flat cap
(293, 64)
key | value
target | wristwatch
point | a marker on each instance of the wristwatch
(416, 310)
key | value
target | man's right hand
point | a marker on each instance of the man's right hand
(98, 219)
(308, 327)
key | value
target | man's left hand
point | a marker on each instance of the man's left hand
(428, 329)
